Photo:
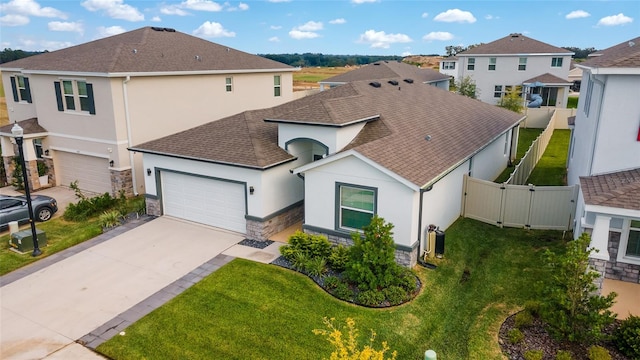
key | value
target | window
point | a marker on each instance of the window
(497, 91)
(228, 84)
(633, 241)
(522, 64)
(587, 97)
(556, 62)
(37, 147)
(471, 64)
(492, 64)
(75, 95)
(20, 88)
(448, 65)
(276, 85)
(356, 206)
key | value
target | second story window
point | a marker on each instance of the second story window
(228, 84)
(75, 95)
(556, 62)
(448, 65)
(492, 64)
(276, 85)
(20, 88)
(497, 91)
(522, 64)
(471, 64)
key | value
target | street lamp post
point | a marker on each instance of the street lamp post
(17, 132)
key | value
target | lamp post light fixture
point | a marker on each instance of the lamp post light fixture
(17, 132)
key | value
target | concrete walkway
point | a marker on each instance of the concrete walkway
(87, 294)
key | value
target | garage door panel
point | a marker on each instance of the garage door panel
(213, 202)
(92, 173)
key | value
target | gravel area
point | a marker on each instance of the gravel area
(255, 243)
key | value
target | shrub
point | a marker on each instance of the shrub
(331, 282)
(343, 292)
(627, 337)
(533, 355)
(370, 297)
(515, 336)
(316, 266)
(339, 258)
(311, 245)
(572, 309)
(42, 168)
(563, 355)
(511, 101)
(346, 345)
(288, 252)
(109, 219)
(523, 319)
(395, 294)
(597, 352)
(300, 261)
(16, 176)
(533, 307)
(405, 278)
(89, 207)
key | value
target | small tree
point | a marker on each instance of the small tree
(372, 259)
(511, 101)
(17, 180)
(572, 309)
(467, 87)
(346, 345)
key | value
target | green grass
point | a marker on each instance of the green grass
(551, 170)
(572, 102)
(247, 310)
(526, 136)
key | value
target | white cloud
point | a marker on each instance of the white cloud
(310, 26)
(424, 15)
(338, 21)
(173, 10)
(363, 1)
(108, 31)
(243, 6)
(201, 5)
(66, 26)
(455, 15)
(275, 27)
(306, 31)
(14, 20)
(491, 17)
(115, 9)
(297, 34)
(156, 19)
(380, 39)
(212, 29)
(438, 36)
(577, 14)
(274, 39)
(407, 53)
(614, 20)
(30, 8)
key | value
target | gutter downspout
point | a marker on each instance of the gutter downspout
(129, 144)
(422, 191)
(595, 133)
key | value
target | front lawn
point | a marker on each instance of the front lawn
(247, 310)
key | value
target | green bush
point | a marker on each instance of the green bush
(533, 355)
(395, 294)
(405, 278)
(300, 261)
(597, 352)
(343, 292)
(370, 297)
(312, 245)
(331, 282)
(533, 307)
(515, 336)
(89, 207)
(339, 258)
(109, 219)
(523, 319)
(316, 266)
(627, 337)
(563, 355)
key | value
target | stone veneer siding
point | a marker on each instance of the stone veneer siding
(121, 180)
(263, 229)
(617, 270)
(404, 256)
(32, 171)
(152, 204)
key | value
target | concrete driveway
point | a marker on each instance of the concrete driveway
(45, 312)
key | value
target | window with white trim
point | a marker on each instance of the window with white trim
(20, 88)
(492, 64)
(522, 64)
(228, 84)
(497, 91)
(556, 62)
(633, 239)
(75, 95)
(276, 85)
(356, 206)
(471, 64)
(448, 65)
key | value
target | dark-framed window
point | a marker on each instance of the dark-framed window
(20, 88)
(448, 65)
(522, 64)
(228, 84)
(276, 85)
(497, 91)
(471, 64)
(556, 62)
(492, 64)
(356, 205)
(633, 242)
(75, 95)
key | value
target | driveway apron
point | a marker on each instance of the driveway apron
(50, 309)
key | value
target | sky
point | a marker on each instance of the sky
(338, 27)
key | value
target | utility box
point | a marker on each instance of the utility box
(439, 243)
(23, 240)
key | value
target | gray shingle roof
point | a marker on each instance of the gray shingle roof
(388, 70)
(618, 190)
(623, 55)
(547, 79)
(146, 50)
(29, 126)
(514, 44)
(458, 127)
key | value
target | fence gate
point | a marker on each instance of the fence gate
(527, 206)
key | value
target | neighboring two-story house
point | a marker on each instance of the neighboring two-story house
(83, 106)
(514, 62)
(604, 159)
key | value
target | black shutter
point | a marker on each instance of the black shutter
(56, 84)
(27, 89)
(14, 89)
(92, 105)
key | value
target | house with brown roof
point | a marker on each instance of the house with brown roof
(92, 101)
(517, 62)
(604, 159)
(383, 70)
(332, 160)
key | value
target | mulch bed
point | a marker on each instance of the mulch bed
(537, 338)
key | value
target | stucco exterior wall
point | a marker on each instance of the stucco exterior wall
(20, 110)
(493, 159)
(332, 137)
(442, 205)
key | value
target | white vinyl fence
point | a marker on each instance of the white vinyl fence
(526, 206)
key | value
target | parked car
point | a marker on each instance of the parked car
(14, 208)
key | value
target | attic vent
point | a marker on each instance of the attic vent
(515, 35)
(375, 84)
(169, 30)
(408, 81)
(393, 82)
(428, 137)
(135, 51)
(156, 28)
(198, 58)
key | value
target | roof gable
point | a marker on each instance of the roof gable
(146, 50)
(515, 44)
(623, 55)
(388, 70)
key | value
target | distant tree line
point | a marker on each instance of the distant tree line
(10, 55)
(317, 59)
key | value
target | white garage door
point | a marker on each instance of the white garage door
(91, 172)
(204, 200)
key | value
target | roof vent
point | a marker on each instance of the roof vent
(135, 51)
(393, 82)
(428, 137)
(631, 43)
(198, 58)
(169, 30)
(408, 81)
(375, 84)
(156, 28)
(377, 63)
